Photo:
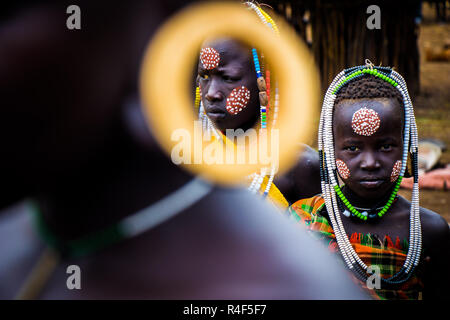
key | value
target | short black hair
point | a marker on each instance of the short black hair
(368, 86)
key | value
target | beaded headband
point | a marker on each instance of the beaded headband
(335, 200)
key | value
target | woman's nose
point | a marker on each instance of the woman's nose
(214, 92)
(369, 161)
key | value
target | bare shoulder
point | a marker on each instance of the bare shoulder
(435, 228)
(308, 157)
(436, 248)
(303, 179)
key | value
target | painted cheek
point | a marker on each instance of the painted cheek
(396, 170)
(342, 169)
(238, 100)
(365, 122)
(209, 58)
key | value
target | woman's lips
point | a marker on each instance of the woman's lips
(215, 113)
(372, 183)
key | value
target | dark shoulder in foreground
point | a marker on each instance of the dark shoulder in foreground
(237, 248)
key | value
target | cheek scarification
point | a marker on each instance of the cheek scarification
(238, 100)
(365, 122)
(396, 170)
(342, 169)
(210, 58)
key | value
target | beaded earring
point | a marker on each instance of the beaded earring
(264, 99)
(197, 97)
(335, 200)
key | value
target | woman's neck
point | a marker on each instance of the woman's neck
(360, 202)
(251, 124)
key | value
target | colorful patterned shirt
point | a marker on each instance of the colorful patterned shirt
(387, 255)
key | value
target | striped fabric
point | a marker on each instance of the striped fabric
(386, 254)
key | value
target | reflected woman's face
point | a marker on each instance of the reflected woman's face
(227, 80)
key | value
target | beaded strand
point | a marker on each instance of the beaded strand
(197, 97)
(264, 97)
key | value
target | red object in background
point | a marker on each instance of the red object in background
(435, 179)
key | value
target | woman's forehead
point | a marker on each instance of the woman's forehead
(366, 117)
(229, 49)
(385, 108)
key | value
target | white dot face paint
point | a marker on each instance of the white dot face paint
(365, 122)
(209, 58)
(396, 170)
(238, 100)
(342, 169)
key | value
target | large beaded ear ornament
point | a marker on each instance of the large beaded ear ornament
(264, 100)
(335, 200)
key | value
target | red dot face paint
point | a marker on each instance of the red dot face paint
(238, 100)
(210, 58)
(365, 122)
(396, 170)
(342, 169)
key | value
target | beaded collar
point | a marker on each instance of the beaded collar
(371, 213)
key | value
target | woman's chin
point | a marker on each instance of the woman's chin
(372, 191)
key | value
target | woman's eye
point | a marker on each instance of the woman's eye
(386, 147)
(204, 76)
(352, 148)
(230, 79)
